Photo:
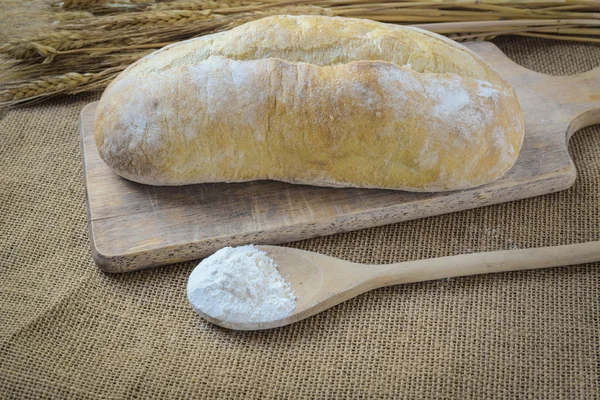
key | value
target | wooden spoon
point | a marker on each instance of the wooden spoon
(320, 282)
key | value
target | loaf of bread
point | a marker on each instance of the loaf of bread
(312, 100)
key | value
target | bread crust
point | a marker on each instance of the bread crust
(312, 100)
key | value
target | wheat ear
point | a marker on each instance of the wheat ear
(18, 92)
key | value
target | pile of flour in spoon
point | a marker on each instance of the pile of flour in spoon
(240, 284)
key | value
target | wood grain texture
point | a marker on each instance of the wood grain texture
(320, 282)
(134, 226)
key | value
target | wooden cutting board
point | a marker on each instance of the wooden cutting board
(134, 226)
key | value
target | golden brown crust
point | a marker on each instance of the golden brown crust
(278, 99)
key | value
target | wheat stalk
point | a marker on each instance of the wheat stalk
(104, 7)
(79, 4)
(94, 4)
(93, 40)
(472, 26)
(558, 37)
(243, 17)
(72, 16)
(201, 5)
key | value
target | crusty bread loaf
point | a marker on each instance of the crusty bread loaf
(312, 100)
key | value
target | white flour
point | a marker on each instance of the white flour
(240, 284)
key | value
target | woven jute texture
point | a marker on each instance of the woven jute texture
(68, 330)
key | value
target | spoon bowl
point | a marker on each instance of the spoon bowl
(320, 282)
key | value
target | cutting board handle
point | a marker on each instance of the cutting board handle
(583, 94)
(572, 100)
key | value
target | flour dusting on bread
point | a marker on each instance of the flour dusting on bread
(312, 100)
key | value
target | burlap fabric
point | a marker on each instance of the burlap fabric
(68, 330)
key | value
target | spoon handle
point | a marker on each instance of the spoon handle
(485, 263)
